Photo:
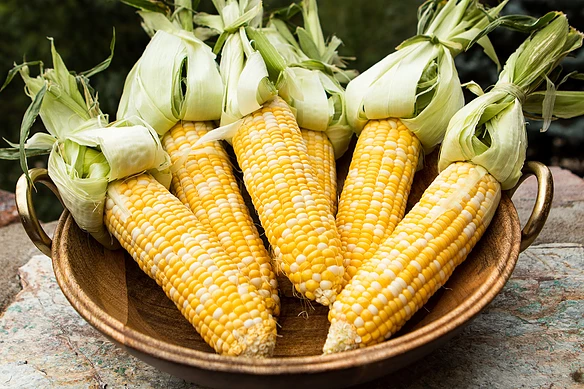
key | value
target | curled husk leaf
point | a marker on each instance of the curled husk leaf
(490, 131)
(176, 78)
(306, 71)
(418, 83)
(245, 76)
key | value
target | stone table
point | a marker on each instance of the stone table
(530, 336)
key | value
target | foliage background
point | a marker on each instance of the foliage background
(82, 30)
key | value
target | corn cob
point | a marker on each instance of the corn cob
(203, 180)
(277, 170)
(171, 246)
(416, 260)
(376, 189)
(283, 186)
(322, 158)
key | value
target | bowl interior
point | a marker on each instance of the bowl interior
(108, 287)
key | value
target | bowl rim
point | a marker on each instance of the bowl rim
(128, 337)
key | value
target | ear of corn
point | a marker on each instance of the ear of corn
(416, 260)
(419, 85)
(175, 249)
(322, 158)
(204, 181)
(376, 189)
(291, 206)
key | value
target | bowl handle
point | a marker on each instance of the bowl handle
(543, 202)
(25, 207)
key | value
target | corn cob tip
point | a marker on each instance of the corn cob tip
(342, 336)
(325, 297)
(257, 341)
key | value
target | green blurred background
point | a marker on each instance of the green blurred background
(82, 30)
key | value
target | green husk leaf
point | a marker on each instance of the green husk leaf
(426, 13)
(286, 13)
(149, 5)
(245, 74)
(214, 22)
(568, 104)
(156, 91)
(84, 197)
(548, 104)
(184, 13)
(577, 76)
(310, 110)
(105, 63)
(284, 32)
(254, 87)
(14, 153)
(128, 149)
(509, 146)
(84, 153)
(16, 69)
(307, 44)
(474, 88)
(64, 107)
(274, 61)
(30, 116)
(521, 23)
(39, 141)
(306, 76)
(220, 42)
(312, 26)
(418, 83)
(244, 20)
(430, 124)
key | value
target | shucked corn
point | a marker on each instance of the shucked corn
(322, 158)
(376, 189)
(176, 250)
(416, 260)
(203, 180)
(291, 206)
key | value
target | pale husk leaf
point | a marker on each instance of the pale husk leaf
(154, 88)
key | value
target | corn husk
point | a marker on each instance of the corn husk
(244, 72)
(490, 130)
(85, 152)
(306, 72)
(176, 78)
(418, 83)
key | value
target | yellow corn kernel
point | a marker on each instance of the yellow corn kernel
(375, 192)
(285, 191)
(194, 271)
(464, 197)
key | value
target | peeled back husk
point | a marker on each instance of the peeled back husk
(390, 89)
(495, 141)
(490, 131)
(171, 62)
(87, 152)
(418, 83)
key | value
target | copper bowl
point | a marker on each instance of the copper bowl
(109, 291)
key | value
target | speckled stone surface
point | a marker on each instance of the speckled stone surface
(8, 211)
(530, 336)
(45, 343)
